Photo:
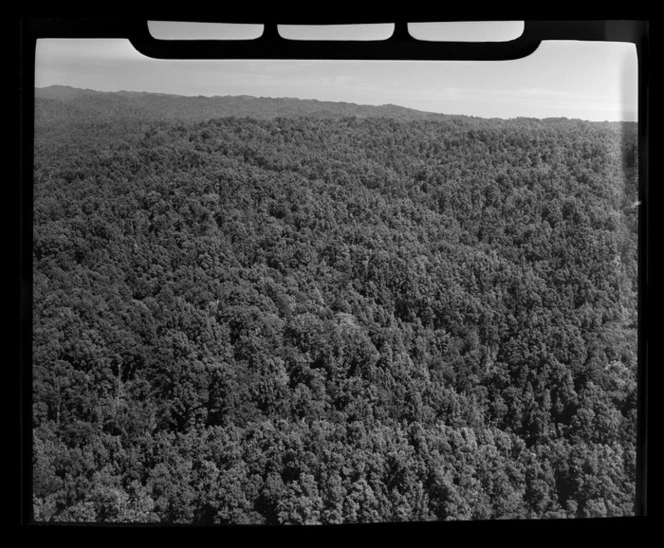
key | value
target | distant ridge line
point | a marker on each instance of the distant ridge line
(168, 106)
(237, 105)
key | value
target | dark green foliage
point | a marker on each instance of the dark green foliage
(324, 320)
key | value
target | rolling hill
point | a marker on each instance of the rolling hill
(177, 107)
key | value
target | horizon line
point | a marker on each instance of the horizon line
(312, 99)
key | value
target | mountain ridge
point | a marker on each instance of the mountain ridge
(81, 103)
(198, 108)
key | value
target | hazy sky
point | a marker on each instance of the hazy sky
(587, 80)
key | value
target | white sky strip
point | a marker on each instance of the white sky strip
(467, 31)
(176, 30)
(368, 32)
(587, 80)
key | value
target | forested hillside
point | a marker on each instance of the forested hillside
(73, 102)
(323, 319)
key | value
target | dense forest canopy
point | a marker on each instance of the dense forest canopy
(317, 317)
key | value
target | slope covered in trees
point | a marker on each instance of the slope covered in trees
(163, 106)
(324, 320)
